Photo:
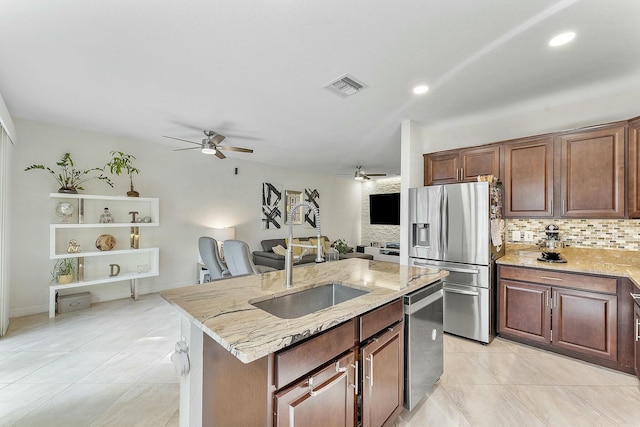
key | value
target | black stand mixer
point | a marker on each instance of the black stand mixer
(551, 245)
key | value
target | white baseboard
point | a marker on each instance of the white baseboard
(110, 293)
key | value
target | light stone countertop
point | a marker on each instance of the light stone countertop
(609, 262)
(223, 311)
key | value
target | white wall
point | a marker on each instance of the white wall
(196, 192)
(562, 111)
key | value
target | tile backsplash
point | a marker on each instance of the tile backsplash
(583, 233)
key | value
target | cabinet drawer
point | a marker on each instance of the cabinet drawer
(294, 362)
(376, 320)
(565, 280)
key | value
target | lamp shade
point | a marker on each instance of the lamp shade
(222, 234)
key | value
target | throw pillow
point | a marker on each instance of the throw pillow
(279, 250)
(314, 242)
(296, 250)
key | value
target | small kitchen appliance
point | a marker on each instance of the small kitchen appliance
(551, 245)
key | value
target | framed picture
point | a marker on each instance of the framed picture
(291, 199)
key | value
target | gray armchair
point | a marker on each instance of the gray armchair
(208, 248)
(239, 259)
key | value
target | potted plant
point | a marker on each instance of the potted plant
(64, 270)
(69, 178)
(341, 246)
(124, 162)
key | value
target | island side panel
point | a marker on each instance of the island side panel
(235, 393)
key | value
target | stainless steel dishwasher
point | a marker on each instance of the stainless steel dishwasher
(424, 350)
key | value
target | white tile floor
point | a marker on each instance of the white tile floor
(110, 366)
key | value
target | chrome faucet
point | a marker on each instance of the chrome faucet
(288, 259)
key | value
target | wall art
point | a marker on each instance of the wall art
(312, 196)
(271, 213)
(292, 199)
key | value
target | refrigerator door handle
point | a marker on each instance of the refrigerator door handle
(461, 270)
(444, 223)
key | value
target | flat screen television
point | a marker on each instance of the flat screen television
(384, 209)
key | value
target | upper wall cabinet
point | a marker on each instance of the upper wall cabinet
(634, 168)
(592, 174)
(461, 165)
(528, 178)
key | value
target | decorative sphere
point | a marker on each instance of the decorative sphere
(105, 242)
(64, 209)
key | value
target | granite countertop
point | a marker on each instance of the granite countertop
(609, 262)
(223, 311)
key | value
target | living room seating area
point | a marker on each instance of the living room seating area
(273, 250)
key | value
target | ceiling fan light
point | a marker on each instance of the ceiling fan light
(208, 150)
(358, 177)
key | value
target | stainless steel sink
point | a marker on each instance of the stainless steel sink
(308, 301)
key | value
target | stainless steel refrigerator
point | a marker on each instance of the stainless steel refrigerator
(459, 228)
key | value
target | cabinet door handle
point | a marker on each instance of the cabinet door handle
(555, 299)
(461, 174)
(547, 294)
(563, 209)
(355, 385)
(551, 203)
(637, 330)
(370, 359)
(551, 278)
(342, 372)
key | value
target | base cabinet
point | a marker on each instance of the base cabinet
(383, 377)
(306, 402)
(574, 313)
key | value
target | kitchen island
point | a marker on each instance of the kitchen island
(581, 308)
(232, 342)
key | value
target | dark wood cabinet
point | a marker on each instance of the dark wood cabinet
(593, 173)
(634, 168)
(525, 310)
(326, 398)
(461, 165)
(383, 377)
(585, 322)
(528, 178)
(576, 314)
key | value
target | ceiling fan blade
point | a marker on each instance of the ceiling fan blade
(182, 149)
(180, 139)
(217, 139)
(220, 155)
(376, 174)
(229, 148)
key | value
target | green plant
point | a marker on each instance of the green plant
(341, 246)
(69, 178)
(63, 267)
(122, 162)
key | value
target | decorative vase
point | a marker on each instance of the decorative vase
(105, 242)
(106, 217)
(63, 279)
(68, 190)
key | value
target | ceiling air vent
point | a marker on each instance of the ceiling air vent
(345, 86)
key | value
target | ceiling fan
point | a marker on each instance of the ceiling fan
(360, 175)
(210, 144)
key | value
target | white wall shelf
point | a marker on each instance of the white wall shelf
(140, 262)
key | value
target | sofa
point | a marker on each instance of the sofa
(271, 259)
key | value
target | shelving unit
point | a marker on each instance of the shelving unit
(387, 253)
(136, 263)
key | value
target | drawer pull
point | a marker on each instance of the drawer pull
(551, 278)
(342, 372)
(635, 296)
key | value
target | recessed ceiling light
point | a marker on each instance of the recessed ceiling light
(561, 39)
(419, 90)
